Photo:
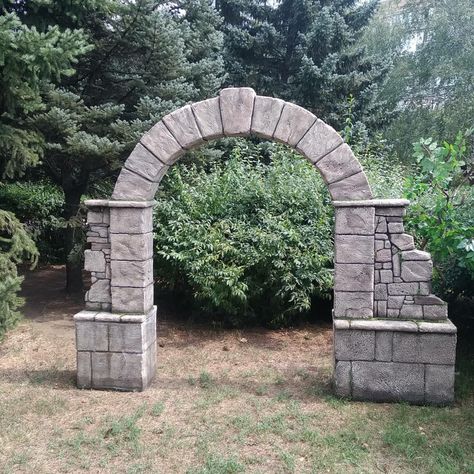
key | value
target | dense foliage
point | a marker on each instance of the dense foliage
(250, 240)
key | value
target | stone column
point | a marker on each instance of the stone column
(116, 335)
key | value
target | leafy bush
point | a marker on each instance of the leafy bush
(39, 206)
(15, 246)
(248, 239)
(441, 215)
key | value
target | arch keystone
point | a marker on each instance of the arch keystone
(236, 110)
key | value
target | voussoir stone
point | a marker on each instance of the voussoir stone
(353, 304)
(236, 110)
(416, 270)
(293, 124)
(208, 118)
(354, 187)
(339, 164)
(162, 144)
(266, 114)
(354, 248)
(355, 220)
(354, 277)
(143, 162)
(134, 187)
(318, 141)
(182, 125)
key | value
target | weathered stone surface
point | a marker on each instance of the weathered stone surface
(342, 379)
(132, 273)
(91, 336)
(429, 300)
(318, 141)
(293, 124)
(132, 337)
(339, 164)
(386, 276)
(382, 309)
(116, 370)
(99, 292)
(266, 115)
(85, 316)
(354, 277)
(415, 255)
(131, 185)
(131, 220)
(383, 345)
(424, 288)
(384, 255)
(435, 311)
(395, 302)
(132, 246)
(383, 325)
(393, 313)
(395, 227)
(399, 289)
(208, 118)
(84, 369)
(416, 270)
(132, 300)
(388, 381)
(355, 220)
(236, 110)
(444, 327)
(403, 241)
(353, 187)
(94, 261)
(424, 348)
(354, 345)
(380, 292)
(354, 248)
(353, 304)
(95, 217)
(396, 266)
(411, 311)
(144, 163)
(391, 211)
(182, 125)
(162, 144)
(439, 384)
(381, 225)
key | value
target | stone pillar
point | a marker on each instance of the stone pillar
(392, 340)
(116, 335)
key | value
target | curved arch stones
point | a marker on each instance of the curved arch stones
(392, 338)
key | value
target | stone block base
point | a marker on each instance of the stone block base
(115, 351)
(387, 360)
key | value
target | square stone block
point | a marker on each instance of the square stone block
(94, 261)
(354, 248)
(132, 300)
(131, 220)
(388, 381)
(353, 304)
(132, 337)
(84, 369)
(342, 379)
(425, 348)
(131, 246)
(92, 336)
(350, 344)
(354, 277)
(355, 220)
(132, 273)
(439, 384)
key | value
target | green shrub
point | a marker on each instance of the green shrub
(15, 246)
(39, 206)
(250, 239)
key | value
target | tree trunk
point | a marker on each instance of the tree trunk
(72, 198)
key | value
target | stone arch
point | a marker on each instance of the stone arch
(392, 338)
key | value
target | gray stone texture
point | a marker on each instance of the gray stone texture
(354, 277)
(403, 241)
(129, 220)
(132, 273)
(353, 304)
(354, 345)
(131, 246)
(99, 291)
(353, 187)
(435, 312)
(293, 124)
(132, 300)
(318, 141)
(416, 270)
(439, 384)
(342, 379)
(236, 110)
(354, 248)
(94, 261)
(162, 144)
(383, 346)
(92, 336)
(84, 369)
(131, 185)
(144, 163)
(424, 348)
(208, 118)
(415, 255)
(355, 220)
(182, 125)
(339, 164)
(266, 114)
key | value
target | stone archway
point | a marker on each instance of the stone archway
(392, 338)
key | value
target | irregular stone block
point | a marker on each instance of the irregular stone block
(99, 292)
(293, 124)
(379, 245)
(266, 115)
(132, 273)
(403, 241)
(395, 302)
(162, 144)
(318, 141)
(353, 304)
(396, 265)
(144, 163)
(354, 345)
(355, 220)
(236, 110)
(91, 336)
(429, 300)
(132, 246)
(351, 188)
(393, 313)
(415, 255)
(354, 248)
(380, 292)
(84, 369)
(94, 261)
(130, 220)
(383, 346)
(424, 288)
(391, 211)
(182, 125)
(94, 216)
(339, 164)
(382, 309)
(439, 384)
(399, 289)
(416, 270)
(208, 118)
(381, 226)
(384, 255)
(395, 227)
(342, 379)
(132, 186)
(424, 348)
(354, 277)
(388, 381)
(411, 311)
(435, 311)
(386, 276)
(132, 300)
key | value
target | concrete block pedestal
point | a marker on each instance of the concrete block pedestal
(393, 360)
(115, 351)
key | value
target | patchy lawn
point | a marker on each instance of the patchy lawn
(255, 401)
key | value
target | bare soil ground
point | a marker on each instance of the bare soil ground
(223, 401)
